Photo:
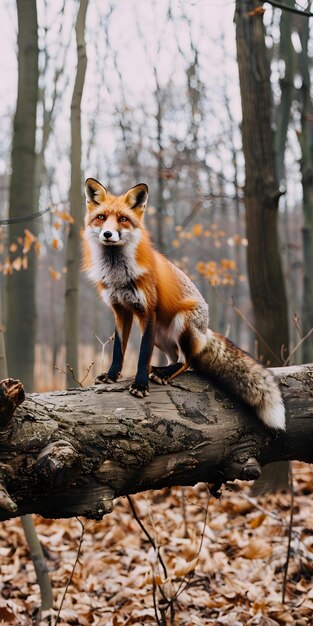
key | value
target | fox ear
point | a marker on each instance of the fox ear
(95, 192)
(137, 197)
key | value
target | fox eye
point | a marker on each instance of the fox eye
(123, 218)
(101, 217)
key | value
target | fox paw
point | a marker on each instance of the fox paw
(139, 390)
(104, 378)
(159, 377)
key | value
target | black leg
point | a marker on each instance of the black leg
(140, 387)
(162, 375)
(117, 361)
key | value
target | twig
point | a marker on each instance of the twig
(296, 321)
(254, 502)
(181, 589)
(144, 530)
(103, 344)
(73, 570)
(289, 532)
(39, 562)
(285, 7)
(87, 373)
(155, 606)
(251, 326)
(25, 218)
(298, 346)
(183, 506)
(71, 373)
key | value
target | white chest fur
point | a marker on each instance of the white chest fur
(117, 269)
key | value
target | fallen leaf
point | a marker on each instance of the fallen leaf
(257, 549)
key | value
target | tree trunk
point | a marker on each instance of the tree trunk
(21, 311)
(286, 54)
(73, 243)
(71, 453)
(261, 192)
(306, 144)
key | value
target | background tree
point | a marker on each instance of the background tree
(21, 309)
(74, 240)
(306, 143)
(261, 188)
(261, 198)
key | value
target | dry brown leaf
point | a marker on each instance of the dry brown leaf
(185, 567)
(113, 580)
(257, 549)
(6, 615)
(267, 621)
(257, 521)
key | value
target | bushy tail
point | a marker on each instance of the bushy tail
(241, 374)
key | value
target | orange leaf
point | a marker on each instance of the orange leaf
(197, 229)
(38, 248)
(29, 234)
(257, 521)
(55, 243)
(201, 267)
(17, 264)
(256, 11)
(7, 267)
(54, 274)
(66, 217)
(28, 240)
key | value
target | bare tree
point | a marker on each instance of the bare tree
(73, 243)
(261, 189)
(261, 200)
(306, 144)
(21, 311)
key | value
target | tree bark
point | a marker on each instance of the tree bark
(73, 243)
(71, 453)
(286, 83)
(21, 311)
(306, 144)
(261, 190)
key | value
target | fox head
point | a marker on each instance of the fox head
(114, 220)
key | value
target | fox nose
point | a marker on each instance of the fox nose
(107, 234)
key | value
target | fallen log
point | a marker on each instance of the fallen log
(69, 453)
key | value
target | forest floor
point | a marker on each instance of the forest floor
(224, 561)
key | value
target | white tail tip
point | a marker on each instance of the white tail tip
(272, 414)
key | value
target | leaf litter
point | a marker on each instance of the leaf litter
(229, 570)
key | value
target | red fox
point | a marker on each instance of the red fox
(136, 280)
